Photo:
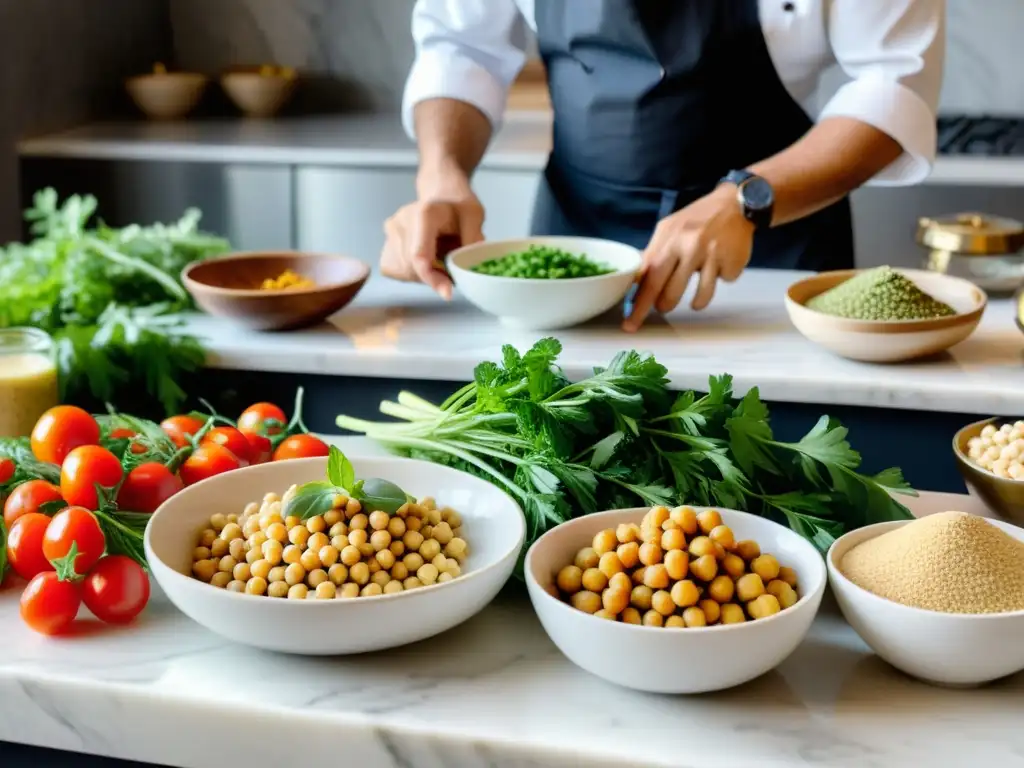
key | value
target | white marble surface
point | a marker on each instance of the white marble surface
(403, 331)
(494, 692)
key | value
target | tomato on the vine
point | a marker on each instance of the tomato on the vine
(181, 428)
(84, 469)
(260, 448)
(232, 439)
(78, 526)
(116, 590)
(208, 460)
(49, 604)
(123, 433)
(147, 487)
(62, 429)
(25, 545)
(7, 468)
(30, 497)
(263, 419)
(301, 447)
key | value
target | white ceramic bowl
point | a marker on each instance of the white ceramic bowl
(493, 524)
(887, 341)
(944, 648)
(674, 660)
(545, 304)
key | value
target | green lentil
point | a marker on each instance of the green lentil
(542, 262)
(881, 293)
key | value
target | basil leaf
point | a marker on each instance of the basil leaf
(312, 499)
(380, 495)
(339, 469)
(3, 550)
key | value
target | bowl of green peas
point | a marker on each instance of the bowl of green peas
(544, 283)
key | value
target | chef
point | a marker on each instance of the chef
(681, 127)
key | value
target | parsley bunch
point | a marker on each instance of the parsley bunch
(109, 297)
(621, 439)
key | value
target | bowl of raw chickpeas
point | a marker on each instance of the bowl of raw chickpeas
(675, 600)
(347, 580)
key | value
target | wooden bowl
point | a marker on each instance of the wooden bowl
(887, 341)
(166, 95)
(229, 286)
(1002, 495)
(257, 91)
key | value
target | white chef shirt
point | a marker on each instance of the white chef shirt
(892, 51)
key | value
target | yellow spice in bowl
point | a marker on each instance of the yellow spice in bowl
(951, 562)
(287, 280)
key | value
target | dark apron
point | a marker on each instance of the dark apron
(654, 102)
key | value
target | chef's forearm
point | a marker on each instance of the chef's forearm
(834, 158)
(452, 137)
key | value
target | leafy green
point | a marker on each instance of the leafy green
(316, 498)
(26, 465)
(109, 297)
(621, 438)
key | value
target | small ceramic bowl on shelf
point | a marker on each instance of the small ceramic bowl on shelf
(661, 660)
(259, 91)
(950, 649)
(887, 341)
(1002, 495)
(163, 95)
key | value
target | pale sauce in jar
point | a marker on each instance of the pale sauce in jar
(28, 379)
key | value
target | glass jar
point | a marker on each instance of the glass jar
(28, 379)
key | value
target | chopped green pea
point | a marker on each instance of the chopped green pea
(542, 262)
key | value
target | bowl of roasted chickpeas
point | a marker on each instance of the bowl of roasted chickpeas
(680, 600)
(346, 579)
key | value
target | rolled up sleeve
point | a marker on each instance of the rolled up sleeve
(465, 50)
(893, 52)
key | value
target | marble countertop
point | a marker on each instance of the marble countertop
(368, 140)
(397, 330)
(492, 693)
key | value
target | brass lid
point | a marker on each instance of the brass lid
(971, 234)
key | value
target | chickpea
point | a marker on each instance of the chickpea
(352, 507)
(218, 521)
(358, 522)
(241, 572)
(298, 536)
(349, 555)
(256, 586)
(620, 581)
(201, 553)
(570, 579)
(720, 552)
(373, 565)
(413, 540)
(310, 559)
(704, 567)
(440, 562)
(749, 587)
(396, 527)
(747, 549)
(708, 520)
(653, 619)
(456, 548)
(332, 517)
(219, 548)
(686, 519)
(221, 579)
(712, 610)
(661, 601)
(429, 549)
(253, 555)
(784, 593)
(673, 540)
(413, 524)
(338, 529)
(273, 551)
(605, 541)
(378, 520)
(455, 520)
(316, 524)
(204, 569)
(670, 525)
(276, 574)
(268, 519)
(788, 575)
(393, 587)
(380, 540)
(765, 566)
(454, 569)
(607, 615)
(721, 589)
(270, 498)
(317, 541)
(371, 590)
(236, 586)
(627, 533)
(237, 549)
(641, 597)
(358, 537)
(380, 577)
(316, 577)
(656, 576)
(615, 601)
(399, 572)
(685, 593)
(260, 569)
(386, 558)
(628, 554)
(610, 564)
(587, 601)
(412, 583)
(230, 532)
(732, 614)
(658, 515)
(257, 540)
(443, 533)
(631, 616)
(250, 526)
(674, 622)
(294, 574)
(734, 565)
(413, 561)
(397, 548)
(694, 617)
(278, 589)
(650, 553)
(349, 591)
(677, 564)
(722, 534)
(763, 606)
(594, 580)
(700, 546)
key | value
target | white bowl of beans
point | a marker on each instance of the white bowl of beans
(715, 597)
(226, 556)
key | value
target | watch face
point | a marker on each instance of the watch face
(757, 194)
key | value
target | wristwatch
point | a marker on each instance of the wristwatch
(755, 196)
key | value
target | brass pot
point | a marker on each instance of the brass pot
(983, 249)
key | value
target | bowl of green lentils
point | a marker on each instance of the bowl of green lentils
(885, 315)
(544, 283)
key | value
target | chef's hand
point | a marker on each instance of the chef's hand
(709, 238)
(411, 250)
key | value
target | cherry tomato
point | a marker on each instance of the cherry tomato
(25, 545)
(260, 448)
(301, 447)
(29, 497)
(147, 487)
(123, 433)
(232, 439)
(79, 526)
(255, 418)
(49, 605)
(84, 469)
(180, 428)
(62, 429)
(116, 590)
(208, 460)
(7, 468)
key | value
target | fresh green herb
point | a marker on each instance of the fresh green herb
(109, 297)
(26, 465)
(318, 497)
(621, 438)
(544, 263)
(124, 532)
